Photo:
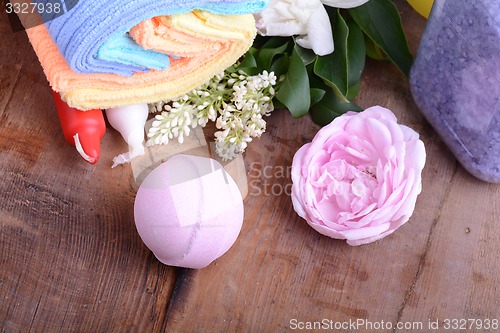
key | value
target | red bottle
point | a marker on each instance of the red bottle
(83, 129)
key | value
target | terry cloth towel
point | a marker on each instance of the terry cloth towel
(90, 36)
(229, 38)
(186, 35)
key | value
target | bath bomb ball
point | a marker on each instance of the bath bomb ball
(188, 211)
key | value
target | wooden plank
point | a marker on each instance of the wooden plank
(461, 272)
(71, 259)
(458, 273)
(281, 270)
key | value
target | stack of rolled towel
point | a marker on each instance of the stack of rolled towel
(108, 53)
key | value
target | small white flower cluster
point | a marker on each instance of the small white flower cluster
(174, 122)
(242, 120)
(235, 100)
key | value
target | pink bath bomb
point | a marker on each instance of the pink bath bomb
(188, 211)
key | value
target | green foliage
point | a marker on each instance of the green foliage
(333, 68)
(380, 21)
(325, 86)
(294, 91)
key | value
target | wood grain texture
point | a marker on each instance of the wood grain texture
(72, 261)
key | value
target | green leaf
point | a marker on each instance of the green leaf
(275, 46)
(274, 42)
(249, 58)
(373, 50)
(250, 70)
(330, 107)
(248, 64)
(308, 56)
(353, 91)
(333, 68)
(316, 95)
(280, 65)
(260, 40)
(380, 21)
(294, 90)
(356, 55)
(278, 105)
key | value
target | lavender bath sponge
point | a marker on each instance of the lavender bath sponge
(455, 81)
(188, 211)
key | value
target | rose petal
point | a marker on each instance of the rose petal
(415, 154)
(324, 230)
(380, 135)
(366, 232)
(349, 218)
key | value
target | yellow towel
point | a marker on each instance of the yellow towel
(206, 43)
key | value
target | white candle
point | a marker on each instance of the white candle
(129, 121)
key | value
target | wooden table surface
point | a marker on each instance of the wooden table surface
(72, 261)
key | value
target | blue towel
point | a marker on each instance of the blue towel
(124, 50)
(92, 36)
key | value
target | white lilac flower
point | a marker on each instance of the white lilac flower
(240, 122)
(156, 107)
(172, 123)
(237, 103)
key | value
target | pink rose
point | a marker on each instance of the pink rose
(360, 176)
